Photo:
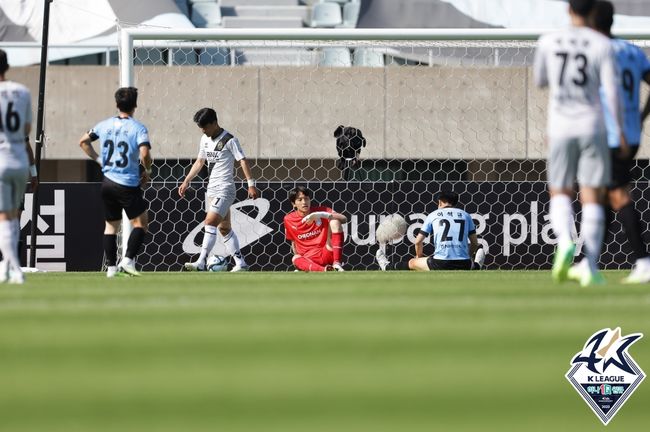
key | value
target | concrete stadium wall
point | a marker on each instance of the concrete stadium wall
(291, 112)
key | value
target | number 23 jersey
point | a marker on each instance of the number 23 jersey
(450, 229)
(120, 140)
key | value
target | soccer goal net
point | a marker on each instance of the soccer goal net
(437, 109)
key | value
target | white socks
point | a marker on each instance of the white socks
(593, 230)
(209, 238)
(562, 216)
(231, 242)
(9, 244)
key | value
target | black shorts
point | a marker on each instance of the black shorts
(436, 264)
(117, 198)
(622, 167)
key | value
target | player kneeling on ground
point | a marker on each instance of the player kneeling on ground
(315, 233)
(450, 229)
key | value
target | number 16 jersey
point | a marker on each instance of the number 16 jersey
(574, 63)
(15, 113)
(450, 229)
(120, 139)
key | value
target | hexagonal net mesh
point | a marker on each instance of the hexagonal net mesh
(435, 114)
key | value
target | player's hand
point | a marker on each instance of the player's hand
(182, 188)
(624, 150)
(315, 216)
(253, 193)
(33, 181)
(144, 178)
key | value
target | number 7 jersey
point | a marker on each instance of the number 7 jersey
(450, 229)
(574, 63)
(120, 139)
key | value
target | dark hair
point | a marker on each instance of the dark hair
(4, 66)
(602, 17)
(448, 197)
(126, 99)
(293, 194)
(582, 7)
(205, 116)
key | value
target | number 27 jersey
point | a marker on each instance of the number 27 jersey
(450, 229)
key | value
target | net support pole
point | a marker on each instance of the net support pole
(126, 80)
(38, 143)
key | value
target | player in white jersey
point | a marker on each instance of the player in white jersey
(15, 126)
(453, 237)
(574, 63)
(219, 149)
(634, 68)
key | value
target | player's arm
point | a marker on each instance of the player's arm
(196, 167)
(252, 190)
(419, 244)
(293, 248)
(86, 145)
(473, 245)
(609, 83)
(325, 215)
(33, 174)
(539, 67)
(646, 108)
(147, 162)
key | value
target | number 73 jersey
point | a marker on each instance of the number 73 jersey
(120, 139)
(573, 63)
(450, 229)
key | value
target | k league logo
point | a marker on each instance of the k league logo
(604, 373)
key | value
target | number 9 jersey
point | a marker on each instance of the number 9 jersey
(120, 139)
(15, 113)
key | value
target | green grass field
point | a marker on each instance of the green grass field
(359, 351)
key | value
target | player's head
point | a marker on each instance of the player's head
(602, 17)
(581, 8)
(447, 198)
(4, 65)
(126, 99)
(205, 116)
(300, 198)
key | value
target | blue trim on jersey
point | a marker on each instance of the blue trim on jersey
(120, 139)
(450, 229)
(633, 65)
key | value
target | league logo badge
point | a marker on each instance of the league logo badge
(604, 373)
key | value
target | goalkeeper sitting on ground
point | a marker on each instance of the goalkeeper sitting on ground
(450, 229)
(315, 233)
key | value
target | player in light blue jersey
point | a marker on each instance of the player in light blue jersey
(634, 68)
(453, 237)
(125, 147)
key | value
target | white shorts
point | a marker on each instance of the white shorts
(13, 182)
(585, 159)
(219, 204)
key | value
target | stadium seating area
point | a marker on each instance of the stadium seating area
(279, 14)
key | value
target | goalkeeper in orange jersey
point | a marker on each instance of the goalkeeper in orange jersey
(315, 233)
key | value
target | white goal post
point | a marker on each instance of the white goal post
(453, 108)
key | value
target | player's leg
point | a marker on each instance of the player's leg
(561, 171)
(620, 200)
(12, 187)
(131, 200)
(231, 242)
(336, 239)
(212, 220)
(594, 174)
(307, 264)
